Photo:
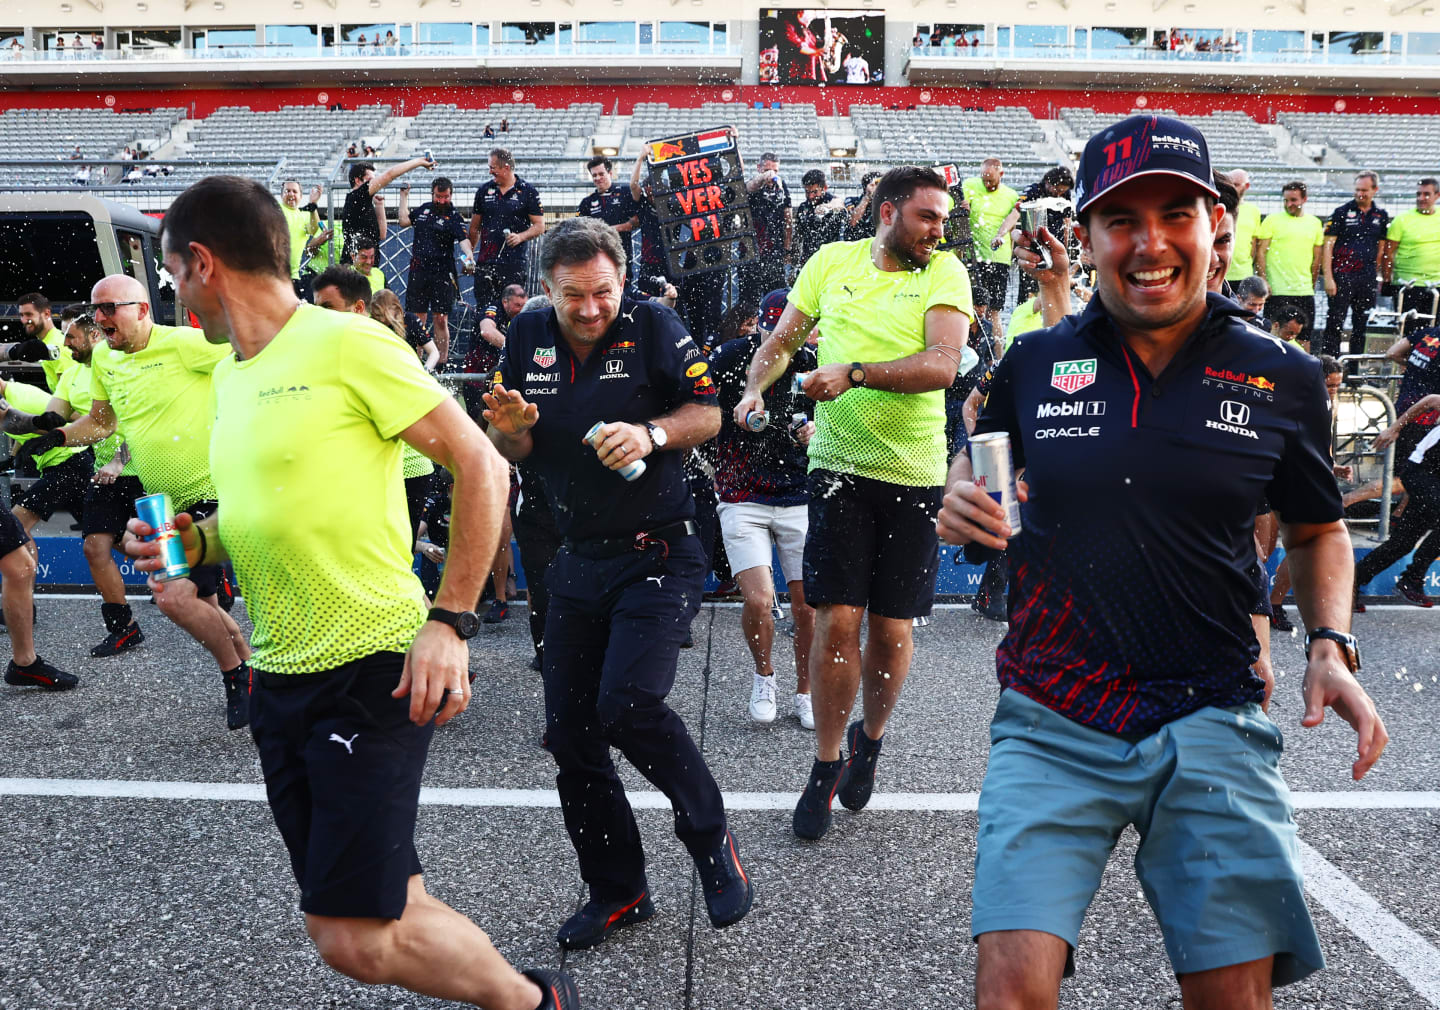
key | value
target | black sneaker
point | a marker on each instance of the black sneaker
(557, 988)
(728, 891)
(812, 813)
(119, 641)
(237, 696)
(39, 674)
(858, 780)
(499, 610)
(1279, 620)
(593, 923)
(1413, 592)
(537, 663)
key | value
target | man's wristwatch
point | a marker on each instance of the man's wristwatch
(857, 374)
(658, 438)
(465, 622)
(1349, 645)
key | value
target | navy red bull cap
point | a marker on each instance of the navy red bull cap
(1142, 145)
(773, 307)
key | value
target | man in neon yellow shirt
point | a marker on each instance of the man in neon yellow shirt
(1411, 253)
(1247, 223)
(1288, 253)
(894, 317)
(303, 223)
(313, 401)
(43, 343)
(152, 382)
(108, 500)
(365, 256)
(990, 202)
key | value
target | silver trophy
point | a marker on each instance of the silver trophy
(1034, 215)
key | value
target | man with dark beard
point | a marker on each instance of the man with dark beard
(894, 316)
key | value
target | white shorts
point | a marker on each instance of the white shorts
(750, 529)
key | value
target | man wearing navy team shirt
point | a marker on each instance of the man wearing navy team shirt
(1147, 428)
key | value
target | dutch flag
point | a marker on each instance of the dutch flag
(712, 140)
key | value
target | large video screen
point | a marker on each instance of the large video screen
(822, 46)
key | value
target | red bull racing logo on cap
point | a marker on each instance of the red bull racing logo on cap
(1073, 376)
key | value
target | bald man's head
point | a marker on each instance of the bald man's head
(122, 311)
(1240, 179)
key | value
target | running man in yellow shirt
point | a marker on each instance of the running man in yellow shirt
(352, 675)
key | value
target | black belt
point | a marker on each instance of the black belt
(613, 547)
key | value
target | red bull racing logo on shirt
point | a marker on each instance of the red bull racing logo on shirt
(1073, 376)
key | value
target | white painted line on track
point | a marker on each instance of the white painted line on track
(1410, 954)
(141, 789)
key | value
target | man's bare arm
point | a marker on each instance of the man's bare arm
(947, 330)
(970, 411)
(95, 426)
(773, 356)
(689, 424)
(1398, 351)
(491, 333)
(1262, 247)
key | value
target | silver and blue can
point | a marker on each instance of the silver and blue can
(156, 511)
(631, 470)
(994, 471)
(757, 420)
(798, 388)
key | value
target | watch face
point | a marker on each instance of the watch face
(857, 376)
(658, 436)
(467, 624)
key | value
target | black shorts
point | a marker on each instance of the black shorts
(12, 534)
(872, 544)
(988, 283)
(342, 764)
(207, 578)
(417, 496)
(61, 488)
(430, 292)
(108, 507)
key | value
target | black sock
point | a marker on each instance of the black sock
(241, 672)
(117, 616)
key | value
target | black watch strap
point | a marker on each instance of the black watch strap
(1349, 645)
(465, 622)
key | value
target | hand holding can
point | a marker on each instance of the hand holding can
(631, 470)
(157, 512)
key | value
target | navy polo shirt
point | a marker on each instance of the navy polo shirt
(1421, 378)
(644, 367)
(500, 212)
(1131, 583)
(766, 467)
(614, 206)
(436, 229)
(1357, 236)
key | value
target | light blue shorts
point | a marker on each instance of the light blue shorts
(1219, 858)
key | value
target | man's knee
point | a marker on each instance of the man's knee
(97, 548)
(18, 566)
(355, 948)
(1019, 970)
(620, 713)
(179, 599)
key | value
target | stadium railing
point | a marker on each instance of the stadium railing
(351, 51)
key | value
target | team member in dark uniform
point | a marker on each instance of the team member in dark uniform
(610, 203)
(774, 220)
(1350, 263)
(363, 215)
(431, 286)
(506, 215)
(629, 578)
(1147, 428)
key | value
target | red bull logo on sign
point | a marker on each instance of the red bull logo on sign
(665, 151)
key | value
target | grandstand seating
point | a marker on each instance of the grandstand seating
(1234, 138)
(456, 137)
(101, 134)
(791, 131)
(948, 133)
(305, 136)
(1404, 148)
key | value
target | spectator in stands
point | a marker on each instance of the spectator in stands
(507, 214)
(81, 176)
(390, 41)
(1247, 223)
(432, 287)
(1252, 293)
(819, 219)
(75, 155)
(611, 203)
(1412, 242)
(917, 44)
(303, 223)
(16, 48)
(360, 43)
(352, 151)
(1288, 255)
(364, 257)
(504, 125)
(1351, 263)
(774, 231)
(859, 222)
(60, 45)
(489, 133)
(990, 202)
(364, 212)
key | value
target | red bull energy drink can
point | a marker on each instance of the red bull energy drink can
(995, 473)
(631, 470)
(757, 420)
(156, 512)
(799, 386)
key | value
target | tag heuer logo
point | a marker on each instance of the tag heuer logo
(545, 357)
(1073, 376)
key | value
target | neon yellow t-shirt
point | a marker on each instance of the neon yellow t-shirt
(161, 399)
(74, 389)
(326, 577)
(300, 233)
(988, 212)
(415, 463)
(1028, 316)
(1417, 257)
(33, 400)
(871, 315)
(1247, 223)
(1293, 241)
(63, 359)
(376, 277)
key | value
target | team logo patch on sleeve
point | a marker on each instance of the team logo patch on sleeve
(545, 356)
(1073, 376)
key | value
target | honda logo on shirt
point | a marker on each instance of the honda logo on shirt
(1234, 412)
(614, 365)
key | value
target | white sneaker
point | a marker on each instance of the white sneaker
(762, 699)
(804, 712)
